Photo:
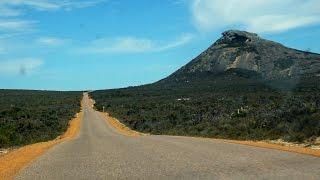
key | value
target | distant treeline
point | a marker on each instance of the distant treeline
(232, 105)
(32, 116)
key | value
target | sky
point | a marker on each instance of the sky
(104, 44)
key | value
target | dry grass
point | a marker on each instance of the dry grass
(12, 162)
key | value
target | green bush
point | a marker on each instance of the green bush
(32, 116)
(229, 106)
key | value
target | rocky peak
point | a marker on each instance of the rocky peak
(244, 50)
(237, 37)
(235, 33)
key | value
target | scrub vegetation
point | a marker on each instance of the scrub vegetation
(235, 104)
(32, 116)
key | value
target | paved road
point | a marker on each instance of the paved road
(99, 152)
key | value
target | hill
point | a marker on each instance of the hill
(244, 50)
(242, 87)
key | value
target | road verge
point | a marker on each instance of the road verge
(115, 123)
(120, 127)
(289, 147)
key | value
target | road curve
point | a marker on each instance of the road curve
(99, 152)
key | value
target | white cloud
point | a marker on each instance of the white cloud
(6, 11)
(20, 66)
(179, 2)
(51, 41)
(16, 25)
(2, 49)
(119, 45)
(13, 5)
(18, 8)
(133, 45)
(76, 4)
(258, 15)
(182, 40)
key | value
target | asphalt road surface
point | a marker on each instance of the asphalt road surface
(99, 152)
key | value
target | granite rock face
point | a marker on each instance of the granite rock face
(244, 50)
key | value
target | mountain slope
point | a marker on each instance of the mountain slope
(244, 50)
(242, 87)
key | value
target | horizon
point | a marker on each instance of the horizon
(108, 44)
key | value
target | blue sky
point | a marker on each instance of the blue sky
(103, 44)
